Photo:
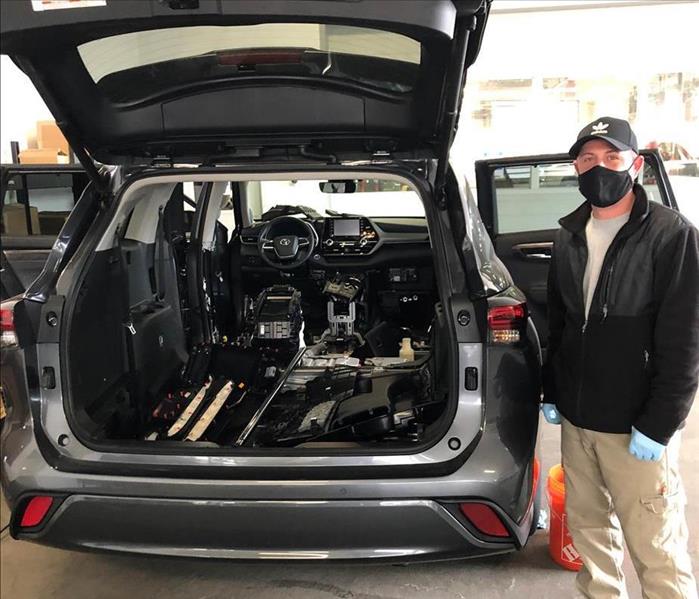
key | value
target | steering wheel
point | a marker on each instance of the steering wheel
(286, 242)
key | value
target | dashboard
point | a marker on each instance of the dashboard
(352, 240)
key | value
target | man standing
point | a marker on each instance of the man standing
(622, 368)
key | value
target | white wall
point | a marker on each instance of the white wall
(20, 108)
(609, 48)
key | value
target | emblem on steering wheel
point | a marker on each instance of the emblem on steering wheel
(285, 242)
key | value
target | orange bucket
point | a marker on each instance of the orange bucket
(560, 542)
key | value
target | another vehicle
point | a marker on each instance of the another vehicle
(35, 201)
(317, 354)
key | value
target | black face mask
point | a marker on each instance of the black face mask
(604, 187)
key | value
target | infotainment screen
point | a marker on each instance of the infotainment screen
(346, 227)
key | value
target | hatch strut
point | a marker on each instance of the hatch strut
(450, 110)
(90, 167)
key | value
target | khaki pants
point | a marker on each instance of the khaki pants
(610, 492)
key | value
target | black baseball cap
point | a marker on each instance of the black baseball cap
(615, 131)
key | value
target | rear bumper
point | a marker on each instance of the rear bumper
(395, 520)
(399, 530)
(168, 513)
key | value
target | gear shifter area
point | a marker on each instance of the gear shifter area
(342, 313)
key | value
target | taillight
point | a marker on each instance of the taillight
(484, 518)
(505, 323)
(7, 324)
(36, 511)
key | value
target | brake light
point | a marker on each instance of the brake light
(505, 323)
(484, 518)
(252, 58)
(36, 511)
(7, 324)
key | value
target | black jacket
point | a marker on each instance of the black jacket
(635, 361)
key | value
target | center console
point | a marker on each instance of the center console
(348, 236)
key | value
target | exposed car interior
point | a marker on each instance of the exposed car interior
(230, 314)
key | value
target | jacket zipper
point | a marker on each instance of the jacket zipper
(582, 335)
(605, 307)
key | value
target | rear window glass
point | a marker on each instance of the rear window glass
(135, 65)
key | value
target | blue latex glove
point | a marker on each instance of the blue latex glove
(644, 448)
(551, 413)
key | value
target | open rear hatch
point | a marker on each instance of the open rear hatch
(207, 81)
(192, 80)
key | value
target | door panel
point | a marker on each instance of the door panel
(521, 200)
(523, 255)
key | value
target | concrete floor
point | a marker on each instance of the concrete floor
(29, 570)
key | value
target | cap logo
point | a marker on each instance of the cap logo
(600, 128)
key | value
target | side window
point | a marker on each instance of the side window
(190, 191)
(39, 203)
(534, 197)
(227, 215)
(683, 171)
(649, 181)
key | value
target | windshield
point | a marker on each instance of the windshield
(138, 64)
(372, 198)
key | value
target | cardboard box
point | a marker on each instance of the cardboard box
(39, 156)
(14, 220)
(50, 137)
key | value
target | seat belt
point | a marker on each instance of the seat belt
(160, 257)
(129, 332)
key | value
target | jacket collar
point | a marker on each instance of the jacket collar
(576, 221)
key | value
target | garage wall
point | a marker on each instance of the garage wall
(20, 108)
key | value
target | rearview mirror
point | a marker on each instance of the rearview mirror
(345, 186)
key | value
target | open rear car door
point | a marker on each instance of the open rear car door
(521, 199)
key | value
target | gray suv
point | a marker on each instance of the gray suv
(274, 324)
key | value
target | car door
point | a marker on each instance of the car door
(521, 199)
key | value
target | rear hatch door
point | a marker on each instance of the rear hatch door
(130, 81)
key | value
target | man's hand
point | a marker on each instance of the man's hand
(551, 413)
(644, 448)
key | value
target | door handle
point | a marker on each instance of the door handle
(534, 251)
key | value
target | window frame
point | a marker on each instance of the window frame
(11, 171)
(487, 192)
